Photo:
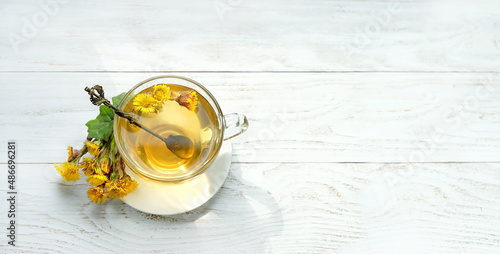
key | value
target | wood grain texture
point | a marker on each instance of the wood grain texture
(278, 208)
(224, 35)
(342, 97)
(343, 117)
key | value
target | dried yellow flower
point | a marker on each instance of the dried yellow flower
(73, 153)
(88, 166)
(97, 180)
(105, 165)
(93, 148)
(114, 190)
(70, 171)
(97, 194)
(128, 184)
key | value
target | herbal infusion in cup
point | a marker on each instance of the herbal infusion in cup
(168, 109)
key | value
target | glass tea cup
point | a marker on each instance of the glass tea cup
(206, 126)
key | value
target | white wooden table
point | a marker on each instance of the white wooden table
(374, 125)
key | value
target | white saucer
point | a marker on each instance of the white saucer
(173, 198)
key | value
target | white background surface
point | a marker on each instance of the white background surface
(374, 125)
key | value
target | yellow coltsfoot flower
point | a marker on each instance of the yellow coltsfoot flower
(128, 184)
(97, 180)
(114, 190)
(145, 104)
(188, 100)
(93, 147)
(88, 165)
(161, 92)
(97, 194)
(70, 171)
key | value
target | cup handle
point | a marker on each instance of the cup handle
(235, 125)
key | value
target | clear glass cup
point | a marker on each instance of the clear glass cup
(226, 127)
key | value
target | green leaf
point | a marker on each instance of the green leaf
(117, 99)
(102, 126)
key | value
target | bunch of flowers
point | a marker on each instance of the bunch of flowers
(103, 166)
(104, 169)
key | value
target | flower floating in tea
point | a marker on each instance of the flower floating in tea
(152, 102)
(161, 92)
(188, 100)
(145, 104)
(104, 166)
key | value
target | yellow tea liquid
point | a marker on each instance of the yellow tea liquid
(151, 153)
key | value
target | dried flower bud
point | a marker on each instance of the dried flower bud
(188, 100)
(105, 164)
(73, 153)
(120, 167)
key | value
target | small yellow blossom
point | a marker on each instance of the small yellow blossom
(161, 92)
(69, 171)
(97, 180)
(88, 166)
(93, 148)
(188, 100)
(114, 190)
(97, 194)
(128, 184)
(145, 104)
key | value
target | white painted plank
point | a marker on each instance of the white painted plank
(343, 117)
(278, 208)
(223, 35)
